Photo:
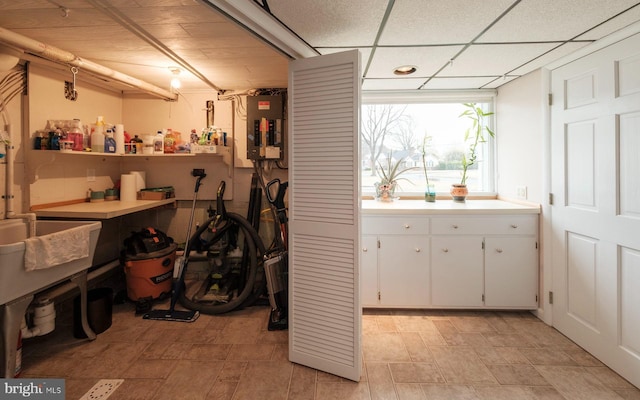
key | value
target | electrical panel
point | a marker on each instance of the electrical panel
(265, 127)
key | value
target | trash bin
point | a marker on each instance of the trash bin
(99, 311)
(149, 275)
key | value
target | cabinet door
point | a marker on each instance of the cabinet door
(511, 272)
(369, 270)
(457, 276)
(403, 263)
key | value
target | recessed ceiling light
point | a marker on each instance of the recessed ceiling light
(405, 70)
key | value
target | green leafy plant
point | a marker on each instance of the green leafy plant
(423, 151)
(391, 171)
(475, 134)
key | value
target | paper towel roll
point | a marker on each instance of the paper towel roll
(141, 179)
(128, 190)
(119, 138)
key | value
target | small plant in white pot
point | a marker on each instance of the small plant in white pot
(475, 135)
(389, 176)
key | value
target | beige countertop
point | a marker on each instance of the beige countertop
(101, 210)
(374, 207)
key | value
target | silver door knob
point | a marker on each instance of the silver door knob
(417, 250)
(407, 226)
(364, 249)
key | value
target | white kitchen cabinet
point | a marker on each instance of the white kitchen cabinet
(481, 254)
(457, 273)
(395, 261)
(369, 270)
(511, 271)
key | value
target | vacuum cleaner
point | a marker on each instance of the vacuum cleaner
(178, 270)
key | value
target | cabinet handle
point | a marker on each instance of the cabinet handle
(454, 226)
(499, 250)
(445, 250)
(417, 250)
(514, 226)
(407, 226)
(364, 249)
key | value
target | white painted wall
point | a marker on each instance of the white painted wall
(519, 137)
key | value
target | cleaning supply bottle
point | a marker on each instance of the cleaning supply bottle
(97, 136)
(169, 141)
(109, 142)
(158, 143)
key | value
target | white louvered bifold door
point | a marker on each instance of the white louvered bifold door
(324, 203)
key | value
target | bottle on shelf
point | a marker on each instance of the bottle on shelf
(136, 145)
(97, 136)
(158, 143)
(109, 142)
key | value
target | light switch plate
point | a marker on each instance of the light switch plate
(521, 192)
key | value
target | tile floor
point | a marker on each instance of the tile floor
(408, 354)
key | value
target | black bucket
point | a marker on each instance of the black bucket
(99, 311)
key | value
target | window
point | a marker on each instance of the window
(399, 129)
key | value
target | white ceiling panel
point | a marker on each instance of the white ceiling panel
(425, 33)
(460, 83)
(496, 83)
(626, 19)
(393, 84)
(552, 20)
(494, 59)
(428, 60)
(332, 23)
(416, 22)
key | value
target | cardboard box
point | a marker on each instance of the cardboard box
(161, 193)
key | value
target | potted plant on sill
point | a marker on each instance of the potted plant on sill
(389, 176)
(430, 191)
(475, 135)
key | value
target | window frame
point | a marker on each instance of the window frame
(463, 96)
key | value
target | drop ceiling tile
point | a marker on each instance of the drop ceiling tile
(427, 60)
(393, 84)
(439, 22)
(459, 82)
(494, 59)
(552, 20)
(365, 53)
(547, 58)
(628, 18)
(327, 24)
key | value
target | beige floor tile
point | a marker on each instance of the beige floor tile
(501, 355)
(628, 394)
(149, 369)
(413, 323)
(251, 352)
(241, 330)
(380, 381)
(168, 351)
(369, 324)
(342, 391)
(609, 378)
(418, 351)
(303, 383)
(511, 393)
(409, 391)
(547, 357)
(499, 339)
(386, 323)
(269, 377)
(461, 365)
(449, 392)
(384, 347)
(232, 371)
(281, 352)
(576, 383)
(583, 358)
(472, 339)
(415, 372)
(517, 375)
(445, 326)
(76, 388)
(472, 324)
(222, 391)
(189, 380)
(432, 338)
(208, 352)
(499, 323)
(135, 389)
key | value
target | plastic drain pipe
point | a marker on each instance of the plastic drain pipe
(44, 320)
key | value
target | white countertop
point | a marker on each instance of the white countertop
(101, 210)
(374, 207)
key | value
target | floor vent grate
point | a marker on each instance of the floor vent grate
(103, 389)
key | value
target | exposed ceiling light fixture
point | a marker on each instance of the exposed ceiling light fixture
(175, 81)
(405, 70)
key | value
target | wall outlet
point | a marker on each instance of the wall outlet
(91, 175)
(521, 192)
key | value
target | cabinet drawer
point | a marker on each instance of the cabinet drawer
(404, 225)
(486, 225)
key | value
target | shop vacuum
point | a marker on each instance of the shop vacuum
(178, 271)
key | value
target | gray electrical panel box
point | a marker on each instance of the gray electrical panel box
(265, 127)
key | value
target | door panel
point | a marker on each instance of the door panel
(324, 214)
(595, 142)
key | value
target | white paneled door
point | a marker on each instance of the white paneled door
(324, 221)
(595, 140)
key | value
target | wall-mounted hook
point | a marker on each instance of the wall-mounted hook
(70, 92)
